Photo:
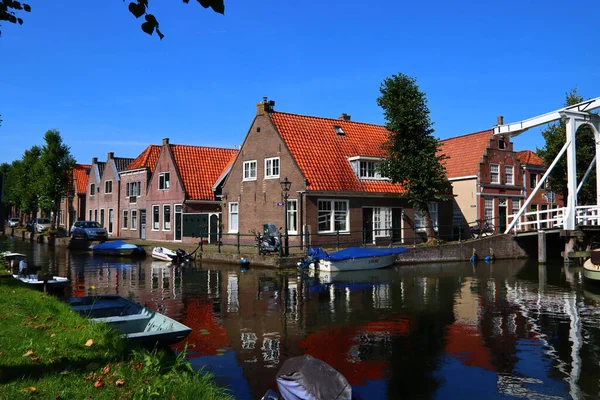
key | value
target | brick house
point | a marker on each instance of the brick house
(92, 199)
(182, 196)
(336, 193)
(133, 194)
(489, 179)
(106, 183)
(72, 207)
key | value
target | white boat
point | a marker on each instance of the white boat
(163, 254)
(56, 282)
(351, 259)
(591, 267)
(17, 263)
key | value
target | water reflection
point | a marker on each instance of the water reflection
(507, 329)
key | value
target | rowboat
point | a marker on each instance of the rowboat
(118, 248)
(591, 267)
(351, 259)
(135, 322)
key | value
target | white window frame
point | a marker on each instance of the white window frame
(125, 219)
(166, 227)
(332, 215)
(106, 186)
(488, 212)
(102, 217)
(292, 215)
(419, 221)
(367, 167)
(509, 171)
(495, 174)
(231, 212)
(382, 221)
(155, 223)
(247, 172)
(164, 180)
(110, 220)
(272, 171)
(134, 190)
(532, 174)
(515, 205)
(134, 215)
(90, 215)
(92, 189)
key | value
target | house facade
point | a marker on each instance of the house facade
(92, 199)
(490, 180)
(182, 203)
(72, 207)
(133, 193)
(336, 196)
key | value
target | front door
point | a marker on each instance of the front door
(214, 231)
(143, 224)
(367, 225)
(111, 217)
(396, 224)
(501, 218)
(178, 215)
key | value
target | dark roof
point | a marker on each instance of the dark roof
(122, 163)
(101, 166)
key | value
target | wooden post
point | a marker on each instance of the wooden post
(542, 247)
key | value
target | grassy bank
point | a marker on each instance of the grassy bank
(49, 352)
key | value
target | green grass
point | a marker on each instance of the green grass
(49, 352)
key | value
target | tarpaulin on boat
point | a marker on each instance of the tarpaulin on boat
(358, 252)
(309, 378)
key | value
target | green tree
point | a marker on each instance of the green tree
(412, 150)
(25, 175)
(555, 136)
(10, 9)
(54, 166)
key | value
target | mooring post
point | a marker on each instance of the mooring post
(542, 247)
(570, 243)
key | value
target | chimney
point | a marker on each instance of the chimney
(500, 120)
(265, 107)
(344, 117)
(95, 160)
(111, 155)
(165, 141)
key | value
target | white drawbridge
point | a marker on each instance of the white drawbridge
(570, 216)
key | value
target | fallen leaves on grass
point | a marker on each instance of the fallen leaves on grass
(35, 359)
(106, 369)
(99, 382)
(28, 353)
(89, 343)
(53, 335)
(28, 389)
(120, 382)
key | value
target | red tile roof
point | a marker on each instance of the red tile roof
(465, 153)
(529, 157)
(81, 173)
(200, 167)
(147, 159)
(322, 154)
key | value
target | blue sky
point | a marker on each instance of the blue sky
(89, 71)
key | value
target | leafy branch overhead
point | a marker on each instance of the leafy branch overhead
(10, 8)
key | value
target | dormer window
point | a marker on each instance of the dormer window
(366, 167)
(501, 144)
(338, 129)
(367, 170)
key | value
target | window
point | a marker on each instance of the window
(155, 218)
(501, 144)
(333, 215)
(96, 215)
(90, 215)
(102, 217)
(420, 220)
(338, 129)
(382, 221)
(125, 218)
(233, 217)
(93, 189)
(516, 205)
(533, 180)
(367, 169)
(133, 219)
(457, 217)
(167, 217)
(164, 180)
(271, 167)
(111, 217)
(61, 217)
(508, 175)
(494, 173)
(108, 187)
(292, 215)
(133, 191)
(488, 209)
(250, 170)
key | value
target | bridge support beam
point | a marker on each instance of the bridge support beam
(542, 250)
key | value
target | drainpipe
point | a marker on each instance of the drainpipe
(301, 217)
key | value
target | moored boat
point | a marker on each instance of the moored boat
(118, 248)
(20, 269)
(351, 259)
(135, 322)
(163, 254)
(591, 267)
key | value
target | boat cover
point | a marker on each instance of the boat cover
(114, 245)
(309, 378)
(355, 252)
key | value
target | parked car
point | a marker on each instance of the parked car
(88, 230)
(29, 225)
(13, 222)
(41, 225)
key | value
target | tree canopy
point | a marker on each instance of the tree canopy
(412, 149)
(11, 11)
(555, 136)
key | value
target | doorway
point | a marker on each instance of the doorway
(214, 228)
(178, 222)
(143, 224)
(396, 225)
(501, 216)
(367, 225)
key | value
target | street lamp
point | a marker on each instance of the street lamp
(285, 188)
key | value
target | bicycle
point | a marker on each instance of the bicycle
(478, 231)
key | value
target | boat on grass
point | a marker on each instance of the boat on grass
(351, 259)
(118, 248)
(135, 322)
(31, 275)
(591, 267)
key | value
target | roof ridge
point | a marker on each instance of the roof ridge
(328, 118)
(467, 134)
(204, 147)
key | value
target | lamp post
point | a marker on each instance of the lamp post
(285, 189)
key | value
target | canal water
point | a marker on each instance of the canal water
(438, 331)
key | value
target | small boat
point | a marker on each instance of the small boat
(351, 259)
(178, 256)
(17, 263)
(118, 248)
(135, 322)
(37, 280)
(591, 267)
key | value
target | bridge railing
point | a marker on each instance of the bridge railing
(588, 215)
(540, 219)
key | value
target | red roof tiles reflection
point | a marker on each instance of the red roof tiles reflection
(465, 153)
(200, 167)
(322, 154)
(464, 343)
(147, 159)
(200, 317)
(80, 172)
(529, 157)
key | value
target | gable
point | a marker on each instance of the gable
(464, 153)
(147, 159)
(529, 157)
(80, 174)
